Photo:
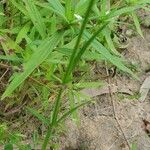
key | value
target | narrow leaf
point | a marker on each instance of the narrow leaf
(57, 7)
(38, 115)
(36, 59)
(107, 34)
(36, 17)
(19, 7)
(118, 12)
(72, 111)
(22, 33)
(137, 24)
(114, 60)
(69, 10)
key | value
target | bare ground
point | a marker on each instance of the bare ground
(114, 122)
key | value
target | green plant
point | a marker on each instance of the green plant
(46, 42)
(134, 146)
(8, 139)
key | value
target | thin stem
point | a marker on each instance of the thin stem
(87, 44)
(75, 50)
(46, 140)
(68, 72)
(54, 119)
(56, 108)
(65, 115)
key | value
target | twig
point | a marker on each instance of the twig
(4, 74)
(114, 109)
(38, 82)
(5, 66)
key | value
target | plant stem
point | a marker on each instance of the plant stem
(46, 140)
(54, 119)
(65, 78)
(87, 44)
(56, 108)
(75, 50)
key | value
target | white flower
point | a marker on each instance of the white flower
(78, 17)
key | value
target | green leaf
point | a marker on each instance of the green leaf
(53, 8)
(56, 58)
(8, 43)
(11, 58)
(139, 2)
(2, 14)
(75, 51)
(107, 34)
(134, 146)
(53, 24)
(22, 33)
(36, 17)
(72, 105)
(57, 7)
(88, 55)
(137, 24)
(69, 10)
(20, 7)
(38, 115)
(68, 113)
(8, 146)
(36, 59)
(103, 7)
(114, 60)
(118, 12)
(82, 7)
(88, 84)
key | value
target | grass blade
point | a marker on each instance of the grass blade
(72, 104)
(22, 33)
(88, 84)
(114, 60)
(38, 115)
(137, 24)
(53, 8)
(69, 10)
(107, 34)
(54, 119)
(36, 17)
(75, 50)
(57, 7)
(72, 111)
(8, 44)
(121, 11)
(103, 7)
(11, 58)
(82, 7)
(20, 7)
(36, 59)
(86, 45)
